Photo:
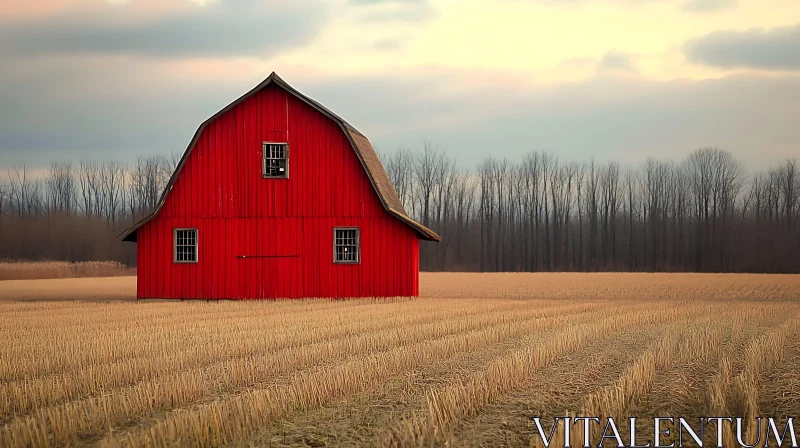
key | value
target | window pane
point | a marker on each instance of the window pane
(186, 245)
(275, 160)
(346, 245)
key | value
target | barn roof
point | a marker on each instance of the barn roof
(363, 148)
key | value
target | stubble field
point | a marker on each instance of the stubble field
(466, 364)
(36, 270)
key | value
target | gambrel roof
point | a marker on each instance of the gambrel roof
(366, 154)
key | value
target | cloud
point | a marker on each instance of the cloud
(381, 2)
(393, 10)
(233, 28)
(127, 108)
(66, 108)
(703, 6)
(574, 3)
(773, 49)
(617, 61)
(387, 45)
(611, 117)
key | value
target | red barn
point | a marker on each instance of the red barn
(276, 196)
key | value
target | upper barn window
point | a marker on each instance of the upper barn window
(185, 245)
(346, 245)
(276, 160)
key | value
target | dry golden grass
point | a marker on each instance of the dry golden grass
(33, 270)
(613, 285)
(97, 289)
(457, 366)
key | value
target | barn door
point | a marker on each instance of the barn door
(268, 260)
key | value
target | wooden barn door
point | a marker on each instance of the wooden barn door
(268, 259)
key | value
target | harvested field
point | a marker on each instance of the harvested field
(465, 365)
(570, 286)
(32, 270)
(84, 289)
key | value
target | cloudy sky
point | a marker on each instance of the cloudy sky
(617, 79)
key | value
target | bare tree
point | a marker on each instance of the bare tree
(789, 189)
(111, 176)
(3, 200)
(593, 180)
(89, 181)
(400, 168)
(631, 193)
(609, 206)
(464, 197)
(24, 193)
(60, 188)
(427, 171)
(580, 173)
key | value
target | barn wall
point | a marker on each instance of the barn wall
(389, 259)
(263, 238)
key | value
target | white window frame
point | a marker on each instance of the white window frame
(175, 244)
(357, 246)
(265, 146)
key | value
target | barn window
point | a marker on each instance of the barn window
(346, 247)
(276, 160)
(185, 245)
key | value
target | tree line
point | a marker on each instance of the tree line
(705, 213)
(74, 212)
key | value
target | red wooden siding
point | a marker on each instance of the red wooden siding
(267, 238)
